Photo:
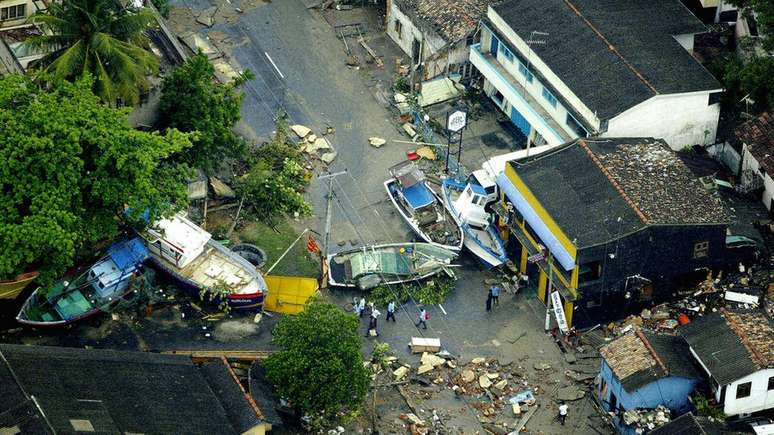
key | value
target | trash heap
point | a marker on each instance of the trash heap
(645, 420)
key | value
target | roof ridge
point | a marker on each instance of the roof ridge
(615, 184)
(611, 47)
(757, 358)
(652, 351)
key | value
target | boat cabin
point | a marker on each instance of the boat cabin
(471, 206)
(111, 275)
(177, 240)
(482, 178)
(412, 191)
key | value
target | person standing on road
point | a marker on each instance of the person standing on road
(495, 292)
(390, 312)
(562, 412)
(372, 323)
(356, 306)
(423, 318)
(489, 301)
(361, 307)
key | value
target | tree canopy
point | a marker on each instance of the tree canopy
(319, 368)
(70, 166)
(764, 17)
(97, 37)
(210, 108)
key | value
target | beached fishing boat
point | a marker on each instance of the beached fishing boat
(371, 266)
(186, 252)
(89, 294)
(11, 288)
(421, 207)
(467, 204)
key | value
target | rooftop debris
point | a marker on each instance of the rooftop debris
(451, 19)
(758, 134)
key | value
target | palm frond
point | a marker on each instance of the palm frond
(69, 64)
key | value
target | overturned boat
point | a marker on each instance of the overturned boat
(467, 202)
(89, 294)
(421, 207)
(372, 266)
(202, 266)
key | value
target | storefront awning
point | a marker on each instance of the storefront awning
(547, 238)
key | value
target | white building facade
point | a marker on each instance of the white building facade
(562, 70)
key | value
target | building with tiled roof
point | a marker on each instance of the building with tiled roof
(562, 69)
(756, 139)
(736, 350)
(623, 218)
(435, 33)
(642, 370)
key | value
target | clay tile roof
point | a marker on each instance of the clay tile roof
(658, 184)
(638, 358)
(451, 19)
(758, 134)
(756, 333)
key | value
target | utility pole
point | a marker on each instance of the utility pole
(548, 291)
(328, 213)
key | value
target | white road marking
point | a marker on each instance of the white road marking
(274, 65)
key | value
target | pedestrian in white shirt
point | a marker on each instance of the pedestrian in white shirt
(562, 412)
(390, 312)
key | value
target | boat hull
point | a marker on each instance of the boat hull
(242, 302)
(485, 254)
(23, 320)
(12, 288)
(421, 233)
(393, 279)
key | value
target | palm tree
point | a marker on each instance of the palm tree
(97, 37)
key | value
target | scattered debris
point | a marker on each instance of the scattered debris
(221, 189)
(329, 157)
(409, 129)
(422, 344)
(400, 372)
(300, 130)
(570, 393)
(426, 152)
(484, 381)
(376, 142)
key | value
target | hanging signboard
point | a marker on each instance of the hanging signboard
(457, 120)
(561, 320)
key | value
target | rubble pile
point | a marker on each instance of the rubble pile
(646, 419)
(313, 145)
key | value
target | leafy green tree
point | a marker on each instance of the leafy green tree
(753, 77)
(97, 37)
(69, 167)
(270, 193)
(192, 100)
(319, 367)
(764, 11)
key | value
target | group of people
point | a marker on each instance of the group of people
(359, 306)
(493, 297)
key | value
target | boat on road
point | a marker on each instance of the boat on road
(421, 207)
(372, 266)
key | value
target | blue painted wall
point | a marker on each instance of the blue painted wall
(671, 392)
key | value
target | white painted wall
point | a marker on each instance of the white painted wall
(538, 65)
(680, 119)
(686, 41)
(749, 162)
(760, 397)
(18, 22)
(431, 43)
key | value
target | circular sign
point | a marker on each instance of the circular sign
(457, 121)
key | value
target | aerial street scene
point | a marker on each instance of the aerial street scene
(412, 217)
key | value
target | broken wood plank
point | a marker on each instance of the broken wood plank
(371, 52)
(523, 422)
(245, 355)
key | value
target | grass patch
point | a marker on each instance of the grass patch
(298, 262)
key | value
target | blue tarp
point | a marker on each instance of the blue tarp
(128, 253)
(541, 229)
(418, 196)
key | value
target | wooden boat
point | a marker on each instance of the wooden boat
(421, 207)
(186, 252)
(90, 293)
(11, 288)
(467, 204)
(371, 266)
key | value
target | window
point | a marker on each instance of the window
(399, 29)
(526, 72)
(575, 126)
(771, 383)
(701, 250)
(13, 12)
(590, 271)
(549, 97)
(470, 40)
(743, 390)
(498, 97)
(506, 52)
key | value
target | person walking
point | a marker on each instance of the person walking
(356, 306)
(390, 312)
(361, 307)
(372, 323)
(495, 292)
(489, 301)
(562, 412)
(424, 316)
